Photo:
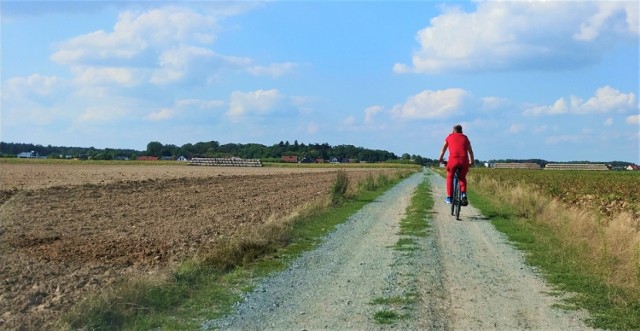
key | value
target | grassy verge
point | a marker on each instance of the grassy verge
(342, 165)
(545, 231)
(412, 227)
(205, 287)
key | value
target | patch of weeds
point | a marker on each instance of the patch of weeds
(369, 183)
(339, 189)
(405, 245)
(387, 317)
(403, 300)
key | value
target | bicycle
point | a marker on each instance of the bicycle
(456, 199)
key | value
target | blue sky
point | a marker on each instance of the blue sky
(556, 80)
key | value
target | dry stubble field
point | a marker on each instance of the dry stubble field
(67, 230)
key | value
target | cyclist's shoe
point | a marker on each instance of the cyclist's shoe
(465, 202)
(447, 200)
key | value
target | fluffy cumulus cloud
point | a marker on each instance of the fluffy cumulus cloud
(605, 100)
(431, 104)
(161, 46)
(35, 85)
(504, 35)
(161, 115)
(136, 32)
(370, 113)
(633, 120)
(260, 102)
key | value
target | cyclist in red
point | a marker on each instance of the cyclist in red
(460, 155)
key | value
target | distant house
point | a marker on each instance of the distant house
(290, 158)
(181, 158)
(121, 158)
(28, 155)
(307, 159)
(334, 160)
(166, 158)
(147, 158)
(633, 167)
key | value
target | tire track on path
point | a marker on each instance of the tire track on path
(487, 282)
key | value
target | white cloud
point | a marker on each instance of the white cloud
(161, 45)
(34, 84)
(494, 102)
(105, 75)
(274, 70)
(162, 115)
(608, 122)
(605, 100)
(633, 119)
(349, 121)
(370, 113)
(198, 103)
(515, 128)
(618, 17)
(431, 104)
(136, 32)
(101, 114)
(179, 62)
(504, 35)
(258, 102)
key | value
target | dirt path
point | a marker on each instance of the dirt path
(466, 274)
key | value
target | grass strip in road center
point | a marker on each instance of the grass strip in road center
(412, 227)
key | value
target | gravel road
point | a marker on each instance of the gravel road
(465, 274)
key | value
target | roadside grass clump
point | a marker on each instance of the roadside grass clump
(578, 249)
(369, 183)
(383, 180)
(340, 188)
(206, 286)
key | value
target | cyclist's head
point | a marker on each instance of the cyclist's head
(457, 128)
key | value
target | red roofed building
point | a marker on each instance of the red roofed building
(147, 158)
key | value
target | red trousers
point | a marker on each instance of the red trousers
(454, 162)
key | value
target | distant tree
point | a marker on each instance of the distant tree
(154, 148)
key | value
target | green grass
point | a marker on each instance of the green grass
(413, 226)
(610, 307)
(414, 223)
(407, 299)
(205, 288)
(387, 317)
(342, 165)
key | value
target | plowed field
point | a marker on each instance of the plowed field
(67, 230)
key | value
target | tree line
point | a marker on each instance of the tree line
(215, 149)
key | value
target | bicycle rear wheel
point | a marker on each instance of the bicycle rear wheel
(457, 202)
(453, 197)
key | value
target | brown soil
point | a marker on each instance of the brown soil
(69, 230)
